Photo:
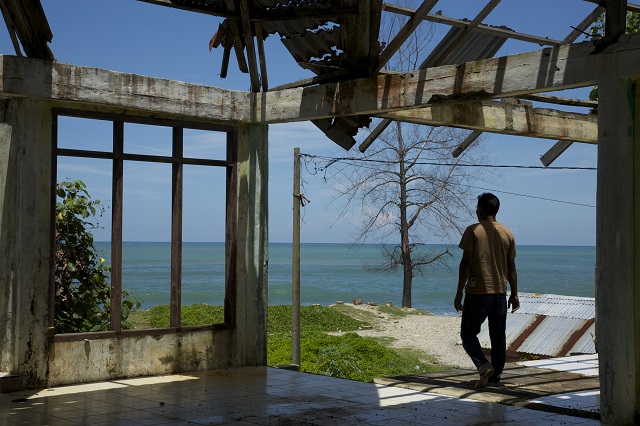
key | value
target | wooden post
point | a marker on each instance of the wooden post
(295, 264)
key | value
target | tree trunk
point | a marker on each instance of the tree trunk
(405, 247)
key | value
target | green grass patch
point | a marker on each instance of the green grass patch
(158, 316)
(347, 355)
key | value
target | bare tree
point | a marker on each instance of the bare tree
(408, 186)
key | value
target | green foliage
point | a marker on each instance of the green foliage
(596, 32)
(312, 318)
(348, 356)
(198, 314)
(82, 292)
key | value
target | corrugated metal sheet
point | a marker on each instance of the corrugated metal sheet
(548, 325)
(557, 305)
(475, 47)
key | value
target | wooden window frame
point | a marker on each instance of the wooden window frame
(177, 160)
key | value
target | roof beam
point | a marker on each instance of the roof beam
(630, 6)
(545, 70)
(506, 118)
(249, 45)
(543, 41)
(466, 143)
(555, 152)
(550, 69)
(560, 101)
(465, 33)
(416, 18)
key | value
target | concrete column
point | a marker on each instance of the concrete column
(618, 250)
(25, 225)
(251, 238)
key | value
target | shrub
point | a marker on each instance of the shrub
(82, 292)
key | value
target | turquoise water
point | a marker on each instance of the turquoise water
(338, 272)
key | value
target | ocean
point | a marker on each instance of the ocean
(340, 272)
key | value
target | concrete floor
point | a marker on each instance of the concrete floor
(258, 396)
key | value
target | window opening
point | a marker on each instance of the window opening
(166, 187)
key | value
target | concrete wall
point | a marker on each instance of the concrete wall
(25, 237)
(618, 250)
(107, 359)
(244, 343)
(25, 225)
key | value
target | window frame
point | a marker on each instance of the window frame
(178, 160)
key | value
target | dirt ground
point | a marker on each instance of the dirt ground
(409, 328)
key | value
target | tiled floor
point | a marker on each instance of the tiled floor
(256, 396)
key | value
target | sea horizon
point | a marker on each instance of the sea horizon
(340, 272)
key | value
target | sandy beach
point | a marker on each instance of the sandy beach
(434, 335)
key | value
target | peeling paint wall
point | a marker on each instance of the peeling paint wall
(25, 226)
(25, 263)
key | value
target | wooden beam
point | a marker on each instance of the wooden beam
(319, 79)
(560, 100)
(234, 29)
(416, 18)
(216, 9)
(631, 7)
(582, 26)
(506, 118)
(616, 22)
(249, 45)
(466, 143)
(543, 41)
(554, 152)
(464, 34)
(550, 69)
(282, 14)
(511, 76)
(374, 134)
(264, 81)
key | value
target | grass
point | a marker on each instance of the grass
(346, 355)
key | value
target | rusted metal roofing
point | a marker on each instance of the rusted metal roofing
(476, 46)
(548, 325)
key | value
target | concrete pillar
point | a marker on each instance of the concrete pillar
(618, 250)
(251, 238)
(25, 232)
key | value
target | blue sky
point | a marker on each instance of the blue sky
(135, 37)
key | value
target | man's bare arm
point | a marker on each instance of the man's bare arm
(463, 275)
(512, 277)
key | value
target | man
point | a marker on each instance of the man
(488, 263)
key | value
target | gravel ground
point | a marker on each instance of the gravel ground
(435, 335)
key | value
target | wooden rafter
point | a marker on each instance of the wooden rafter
(511, 76)
(416, 18)
(461, 37)
(235, 29)
(560, 100)
(561, 146)
(264, 81)
(401, 10)
(506, 118)
(466, 143)
(551, 69)
(555, 152)
(466, 32)
(249, 45)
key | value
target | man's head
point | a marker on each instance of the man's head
(488, 205)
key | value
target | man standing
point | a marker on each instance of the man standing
(488, 263)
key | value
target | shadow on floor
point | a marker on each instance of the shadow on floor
(519, 385)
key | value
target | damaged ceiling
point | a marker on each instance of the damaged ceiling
(337, 40)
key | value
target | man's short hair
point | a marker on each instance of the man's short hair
(489, 203)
